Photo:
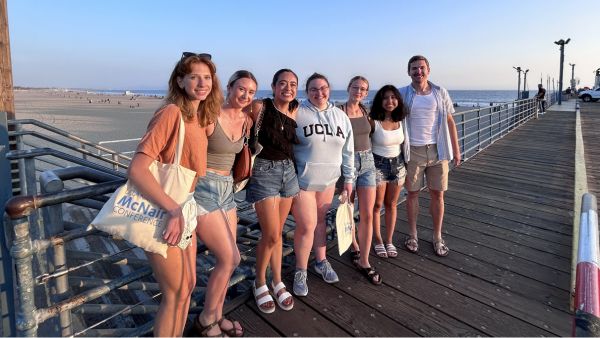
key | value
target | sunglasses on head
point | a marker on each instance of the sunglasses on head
(200, 55)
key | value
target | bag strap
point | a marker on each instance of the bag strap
(259, 119)
(180, 139)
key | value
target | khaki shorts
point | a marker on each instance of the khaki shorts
(424, 162)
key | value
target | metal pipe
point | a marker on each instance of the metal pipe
(86, 296)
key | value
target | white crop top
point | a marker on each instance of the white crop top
(387, 143)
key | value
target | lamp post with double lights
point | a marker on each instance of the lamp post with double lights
(562, 44)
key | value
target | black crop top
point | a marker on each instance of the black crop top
(277, 144)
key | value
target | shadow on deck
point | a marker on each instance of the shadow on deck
(508, 223)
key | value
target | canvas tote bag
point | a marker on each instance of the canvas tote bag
(344, 223)
(128, 215)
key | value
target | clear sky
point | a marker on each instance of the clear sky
(134, 44)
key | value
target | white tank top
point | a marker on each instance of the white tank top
(387, 143)
(423, 121)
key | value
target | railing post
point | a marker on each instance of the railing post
(22, 253)
(84, 156)
(53, 219)
(587, 287)
(478, 129)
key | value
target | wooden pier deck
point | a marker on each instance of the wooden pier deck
(508, 223)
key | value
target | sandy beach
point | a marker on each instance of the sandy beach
(95, 117)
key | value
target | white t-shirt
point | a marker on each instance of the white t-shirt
(386, 143)
(423, 122)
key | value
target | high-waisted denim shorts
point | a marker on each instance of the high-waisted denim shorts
(364, 169)
(389, 169)
(214, 192)
(272, 179)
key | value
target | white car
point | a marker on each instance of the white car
(590, 95)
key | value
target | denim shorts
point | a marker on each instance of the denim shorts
(272, 179)
(214, 192)
(389, 169)
(364, 169)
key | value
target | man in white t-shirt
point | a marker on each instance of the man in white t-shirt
(432, 141)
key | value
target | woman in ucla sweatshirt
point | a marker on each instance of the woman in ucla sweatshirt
(325, 143)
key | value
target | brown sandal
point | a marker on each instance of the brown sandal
(203, 330)
(233, 332)
(373, 276)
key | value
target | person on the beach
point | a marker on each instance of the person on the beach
(273, 184)
(190, 97)
(541, 97)
(364, 175)
(432, 141)
(217, 217)
(388, 112)
(325, 142)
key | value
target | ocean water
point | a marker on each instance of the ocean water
(463, 98)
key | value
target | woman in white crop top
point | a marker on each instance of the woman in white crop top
(389, 112)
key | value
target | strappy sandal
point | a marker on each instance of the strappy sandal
(440, 248)
(391, 250)
(283, 296)
(380, 250)
(373, 276)
(233, 332)
(264, 299)
(202, 330)
(411, 244)
(354, 256)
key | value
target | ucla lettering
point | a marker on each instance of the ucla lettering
(320, 129)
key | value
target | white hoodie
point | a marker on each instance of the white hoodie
(326, 143)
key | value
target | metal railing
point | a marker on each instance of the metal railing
(46, 258)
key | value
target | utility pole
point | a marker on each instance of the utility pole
(519, 82)
(562, 44)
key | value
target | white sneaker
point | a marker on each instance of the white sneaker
(300, 286)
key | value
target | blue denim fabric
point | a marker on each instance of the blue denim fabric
(389, 169)
(214, 192)
(272, 179)
(364, 169)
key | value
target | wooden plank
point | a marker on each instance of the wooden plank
(515, 304)
(302, 320)
(481, 316)
(518, 215)
(342, 307)
(505, 200)
(419, 317)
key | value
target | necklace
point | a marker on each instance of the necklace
(279, 113)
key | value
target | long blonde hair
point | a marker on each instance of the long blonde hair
(208, 110)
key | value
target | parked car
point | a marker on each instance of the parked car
(590, 95)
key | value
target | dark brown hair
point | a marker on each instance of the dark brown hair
(377, 110)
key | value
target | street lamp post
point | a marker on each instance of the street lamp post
(562, 44)
(573, 84)
(518, 83)
(525, 85)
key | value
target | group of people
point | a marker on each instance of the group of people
(406, 135)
